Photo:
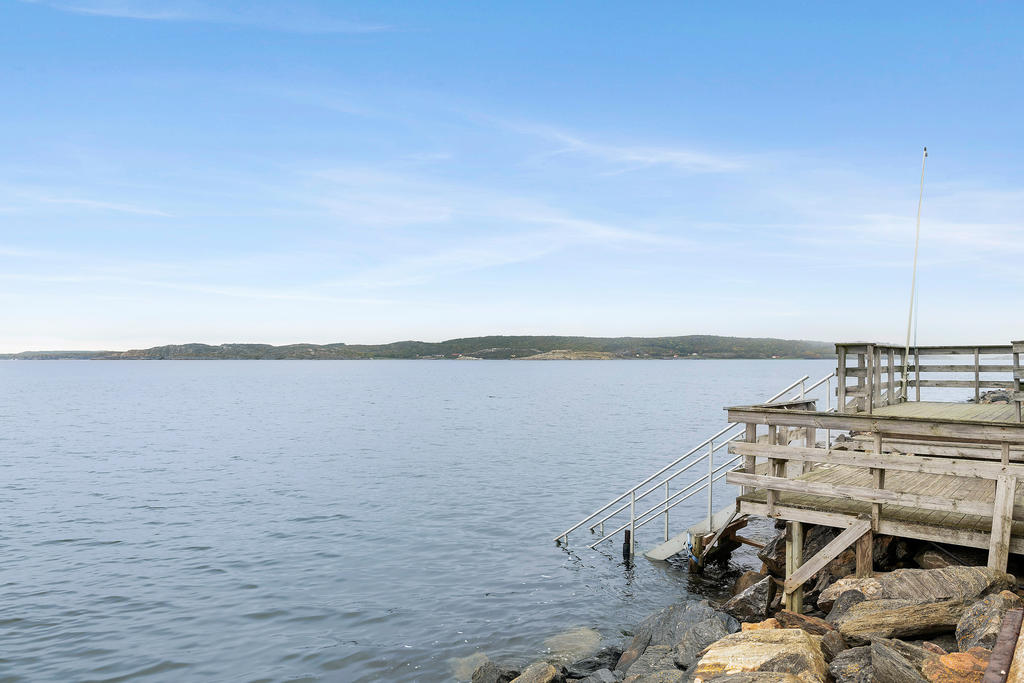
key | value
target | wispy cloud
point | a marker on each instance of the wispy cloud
(294, 17)
(19, 199)
(628, 157)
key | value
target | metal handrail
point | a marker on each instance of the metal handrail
(706, 481)
(632, 491)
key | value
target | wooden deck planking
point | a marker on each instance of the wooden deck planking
(964, 488)
(933, 410)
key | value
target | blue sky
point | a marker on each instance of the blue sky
(364, 172)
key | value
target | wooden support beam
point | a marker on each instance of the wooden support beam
(830, 552)
(1007, 660)
(749, 461)
(794, 560)
(903, 463)
(878, 481)
(865, 556)
(1002, 518)
(864, 493)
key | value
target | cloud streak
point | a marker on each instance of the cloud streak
(295, 19)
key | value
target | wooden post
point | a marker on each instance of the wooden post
(865, 557)
(810, 438)
(749, 461)
(890, 398)
(862, 380)
(1018, 372)
(869, 391)
(794, 559)
(1002, 520)
(977, 376)
(1006, 453)
(917, 375)
(841, 378)
(878, 481)
(774, 469)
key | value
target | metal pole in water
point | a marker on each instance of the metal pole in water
(632, 520)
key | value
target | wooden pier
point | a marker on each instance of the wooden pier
(885, 461)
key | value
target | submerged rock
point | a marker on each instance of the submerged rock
(572, 644)
(979, 626)
(897, 618)
(948, 583)
(774, 650)
(752, 604)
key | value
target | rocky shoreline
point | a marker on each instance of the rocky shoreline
(928, 613)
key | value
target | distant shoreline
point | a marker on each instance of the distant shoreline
(474, 348)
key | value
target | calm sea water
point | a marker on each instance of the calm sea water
(330, 521)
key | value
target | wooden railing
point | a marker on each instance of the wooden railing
(1018, 378)
(878, 371)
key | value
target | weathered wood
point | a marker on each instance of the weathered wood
(865, 556)
(749, 461)
(794, 560)
(963, 383)
(888, 425)
(903, 463)
(804, 571)
(878, 481)
(841, 377)
(1002, 518)
(924, 532)
(862, 493)
(1001, 662)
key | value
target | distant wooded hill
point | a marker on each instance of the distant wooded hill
(701, 346)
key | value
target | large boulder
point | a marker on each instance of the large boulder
(979, 626)
(949, 583)
(605, 658)
(753, 677)
(852, 666)
(745, 581)
(773, 650)
(842, 604)
(754, 603)
(957, 667)
(894, 661)
(489, 672)
(812, 625)
(897, 619)
(668, 627)
(541, 672)
(601, 676)
(699, 636)
(655, 664)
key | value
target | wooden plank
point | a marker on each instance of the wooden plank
(865, 557)
(827, 554)
(794, 560)
(953, 535)
(963, 383)
(984, 367)
(888, 425)
(862, 493)
(1002, 516)
(1002, 665)
(841, 377)
(904, 463)
(877, 481)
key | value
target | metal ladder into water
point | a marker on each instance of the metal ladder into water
(662, 480)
